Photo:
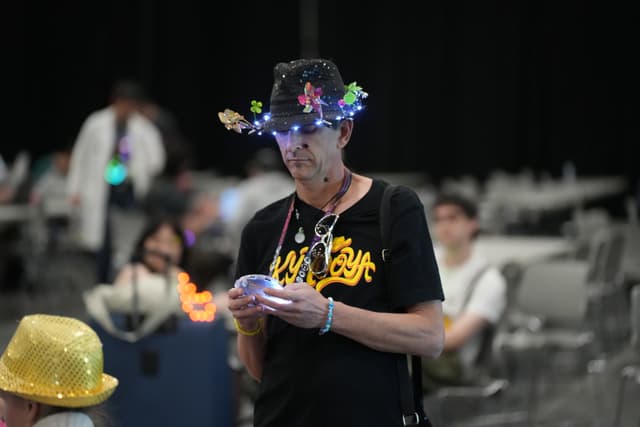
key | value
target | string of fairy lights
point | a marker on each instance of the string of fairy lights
(311, 101)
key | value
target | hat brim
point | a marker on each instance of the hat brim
(10, 384)
(285, 122)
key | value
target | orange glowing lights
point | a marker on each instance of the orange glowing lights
(198, 305)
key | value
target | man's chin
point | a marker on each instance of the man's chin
(298, 170)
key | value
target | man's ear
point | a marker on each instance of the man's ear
(346, 128)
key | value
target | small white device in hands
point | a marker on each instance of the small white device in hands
(254, 284)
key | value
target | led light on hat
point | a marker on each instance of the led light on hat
(311, 101)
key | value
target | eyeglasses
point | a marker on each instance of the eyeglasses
(320, 251)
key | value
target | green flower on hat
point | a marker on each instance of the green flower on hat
(352, 93)
(256, 107)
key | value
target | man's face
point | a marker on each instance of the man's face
(124, 108)
(311, 150)
(452, 228)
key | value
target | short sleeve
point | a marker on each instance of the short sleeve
(413, 271)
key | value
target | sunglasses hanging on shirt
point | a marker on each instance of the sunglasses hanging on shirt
(318, 257)
(321, 250)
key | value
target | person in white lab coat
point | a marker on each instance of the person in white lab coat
(115, 158)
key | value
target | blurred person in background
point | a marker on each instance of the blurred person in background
(161, 250)
(145, 289)
(202, 215)
(3, 169)
(15, 179)
(266, 181)
(49, 192)
(172, 188)
(211, 252)
(115, 158)
(51, 375)
(15, 184)
(2, 424)
(176, 145)
(5, 194)
(475, 291)
(52, 181)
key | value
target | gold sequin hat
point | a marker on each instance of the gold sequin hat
(57, 361)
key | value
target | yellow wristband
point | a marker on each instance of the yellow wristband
(243, 331)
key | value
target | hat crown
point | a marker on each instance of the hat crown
(52, 357)
(289, 81)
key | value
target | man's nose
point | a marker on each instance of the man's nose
(294, 141)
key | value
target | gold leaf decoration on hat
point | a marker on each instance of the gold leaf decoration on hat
(235, 121)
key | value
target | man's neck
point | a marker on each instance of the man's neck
(455, 257)
(319, 192)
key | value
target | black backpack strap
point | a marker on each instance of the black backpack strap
(410, 388)
(385, 222)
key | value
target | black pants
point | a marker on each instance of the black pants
(122, 197)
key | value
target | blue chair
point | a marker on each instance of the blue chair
(178, 377)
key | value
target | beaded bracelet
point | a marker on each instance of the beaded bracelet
(243, 331)
(327, 325)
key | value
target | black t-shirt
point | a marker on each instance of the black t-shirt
(330, 380)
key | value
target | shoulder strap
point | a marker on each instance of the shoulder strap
(385, 221)
(488, 331)
(472, 286)
(410, 388)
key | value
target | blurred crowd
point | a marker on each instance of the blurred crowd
(128, 168)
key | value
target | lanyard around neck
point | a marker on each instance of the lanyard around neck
(346, 183)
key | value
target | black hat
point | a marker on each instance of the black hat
(305, 91)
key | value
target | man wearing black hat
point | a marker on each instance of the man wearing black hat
(327, 355)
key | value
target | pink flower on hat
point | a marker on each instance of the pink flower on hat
(311, 99)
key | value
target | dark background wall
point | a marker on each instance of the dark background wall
(460, 88)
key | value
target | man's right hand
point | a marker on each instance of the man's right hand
(244, 309)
